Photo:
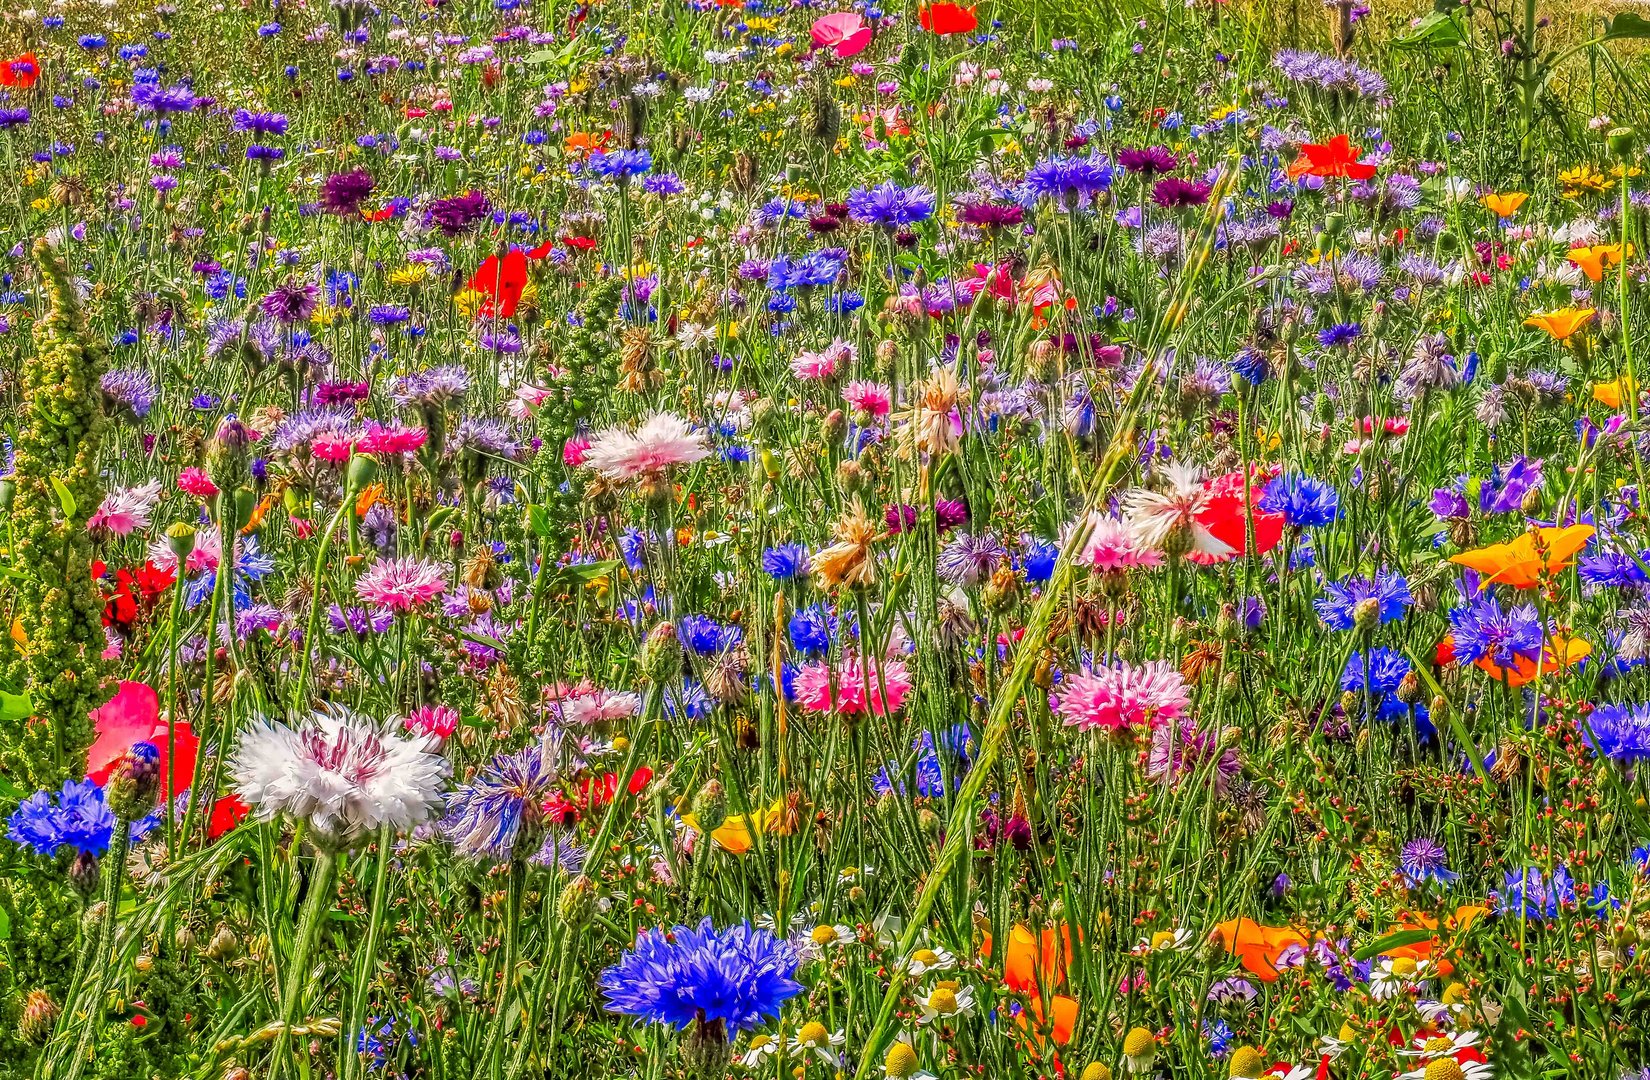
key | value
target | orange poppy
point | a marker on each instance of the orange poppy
(1337, 157)
(584, 143)
(1504, 206)
(1561, 325)
(1612, 394)
(1464, 917)
(1556, 655)
(1060, 1024)
(1258, 947)
(1033, 967)
(1522, 563)
(1593, 261)
(369, 495)
(945, 19)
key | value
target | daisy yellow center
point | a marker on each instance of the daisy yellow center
(1438, 1044)
(760, 1042)
(901, 1061)
(1139, 1042)
(1096, 1070)
(1445, 1069)
(1247, 1062)
(1162, 939)
(926, 956)
(943, 1000)
(1403, 965)
(813, 1033)
(1346, 1034)
(1455, 993)
(824, 935)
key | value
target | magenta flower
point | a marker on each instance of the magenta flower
(401, 584)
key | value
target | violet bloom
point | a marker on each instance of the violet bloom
(459, 214)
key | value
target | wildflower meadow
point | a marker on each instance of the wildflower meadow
(814, 540)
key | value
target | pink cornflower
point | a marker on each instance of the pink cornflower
(573, 451)
(333, 446)
(874, 399)
(1123, 695)
(378, 439)
(583, 705)
(208, 550)
(125, 510)
(401, 584)
(1111, 547)
(194, 481)
(664, 441)
(887, 689)
(823, 365)
(1182, 750)
(526, 398)
(435, 721)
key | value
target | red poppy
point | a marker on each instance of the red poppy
(946, 18)
(20, 71)
(542, 250)
(1337, 157)
(501, 281)
(579, 243)
(132, 716)
(1225, 518)
(226, 813)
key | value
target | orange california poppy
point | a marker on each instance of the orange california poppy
(1061, 1022)
(1561, 325)
(1464, 917)
(584, 143)
(1521, 563)
(1593, 261)
(1337, 157)
(1028, 968)
(1504, 206)
(736, 834)
(1257, 946)
(945, 18)
(1612, 394)
(21, 72)
(1556, 655)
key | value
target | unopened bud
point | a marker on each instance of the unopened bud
(39, 1016)
(710, 806)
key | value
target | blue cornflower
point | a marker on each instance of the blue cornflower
(1069, 181)
(1038, 559)
(79, 819)
(1619, 732)
(890, 206)
(664, 184)
(705, 636)
(1536, 896)
(1609, 569)
(251, 564)
(502, 805)
(1339, 334)
(1422, 860)
(1364, 602)
(1380, 674)
(1304, 502)
(1220, 1036)
(810, 630)
(620, 165)
(785, 561)
(1483, 628)
(732, 979)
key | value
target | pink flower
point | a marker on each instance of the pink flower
(378, 439)
(1122, 696)
(126, 509)
(1111, 547)
(208, 550)
(663, 441)
(583, 705)
(573, 450)
(1182, 750)
(302, 528)
(889, 684)
(526, 398)
(401, 584)
(435, 721)
(871, 398)
(194, 481)
(335, 447)
(822, 365)
(844, 32)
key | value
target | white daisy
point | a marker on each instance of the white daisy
(945, 1001)
(922, 961)
(757, 1050)
(813, 1037)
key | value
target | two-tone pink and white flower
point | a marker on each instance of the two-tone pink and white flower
(662, 442)
(125, 510)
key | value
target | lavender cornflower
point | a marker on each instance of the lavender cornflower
(459, 214)
(1619, 732)
(969, 559)
(503, 805)
(890, 206)
(133, 388)
(1364, 602)
(1483, 629)
(291, 302)
(1423, 860)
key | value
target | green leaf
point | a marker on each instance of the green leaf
(1627, 25)
(1435, 31)
(65, 498)
(538, 520)
(1393, 941)
(15, 706)
(590, 571)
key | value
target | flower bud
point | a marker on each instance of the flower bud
(1622, 141)
(83, 874)
(577, 902)
(706, 1051)
(224, 946)
(710, 806)
(134, 782)
(180, 538)
(39, 1016)
(662, 654)
(363, 470)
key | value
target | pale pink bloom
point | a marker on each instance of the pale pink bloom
(822, 365)
(194, 481)
(1182, 750)
(208, 550)
(113, 644)
(1123, 695)
(1110, 546)
(889, 684)
(1153, 517)
(526, 398)
(435, 721)
(401, 584)
(663, 441)
(125, 510)
(872, 398)
(585, 705)
(845, 32)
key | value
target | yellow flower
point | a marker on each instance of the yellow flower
(1618, 170)
(1611, 394)
(1561, 325)
(327, 314)
(1582, 178)
(1504, 206)
(410, 276)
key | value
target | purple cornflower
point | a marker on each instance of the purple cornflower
(1483, 628)
(343, 193)
(291, 302)
(1422, 860)
(890, 206)
(1619, 732)
(1172, 193)
(133, 388)
(459, 214)
(1147, 161)
(969, 559)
